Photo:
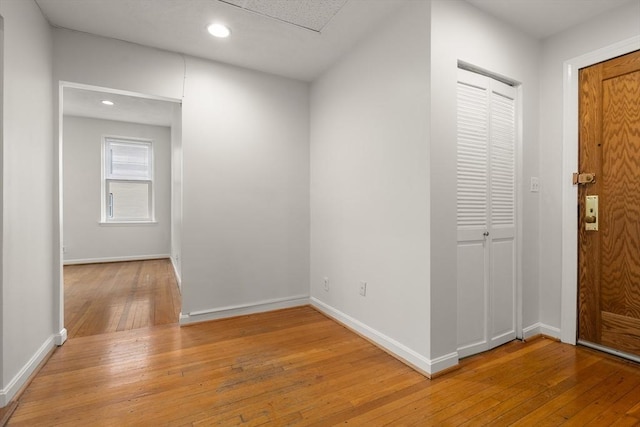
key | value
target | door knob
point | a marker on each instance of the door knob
(485, 234)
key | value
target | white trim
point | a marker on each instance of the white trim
(58, 250)
(61, 337)
(125, 223)
(243, 309)
(58, 247)
(520, 192)
(108, 177)
(22, 377)
(531, 331)
(402, 352)
(177, 275)
(103, 89)
(115, 259)
(540, 329)
(569, 297)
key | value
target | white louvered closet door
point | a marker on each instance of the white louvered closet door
(486, 213)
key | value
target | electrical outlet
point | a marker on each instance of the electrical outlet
(64, 249)
(363, 288)
(326, 284)
(535, 185)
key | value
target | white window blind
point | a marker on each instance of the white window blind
(128, 159)
(128, 180)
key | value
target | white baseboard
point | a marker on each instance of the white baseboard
(550, 331)
(405, 354)
(61, 337)
(239, 310)
(540, 329)
(22, 377)
(115, 259)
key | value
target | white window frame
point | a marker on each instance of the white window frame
(106, 178)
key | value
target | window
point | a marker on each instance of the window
(127, 180)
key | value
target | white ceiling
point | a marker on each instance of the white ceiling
(544, 18)
(257, 41)
(310, 14)
(263, 37)
(292, 38)
(88, 103)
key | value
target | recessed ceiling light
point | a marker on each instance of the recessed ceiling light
(219, 30)
(107, 102)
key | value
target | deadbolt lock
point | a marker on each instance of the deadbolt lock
(591, 214)
(584, 178)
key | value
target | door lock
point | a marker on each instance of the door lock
(584, 178)
(591, 213)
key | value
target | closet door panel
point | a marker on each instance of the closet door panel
(502, 304)
(472, 304)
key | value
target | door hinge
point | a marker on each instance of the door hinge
(584, 178)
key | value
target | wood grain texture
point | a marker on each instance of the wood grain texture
(110, 297)
(6, 412)
(609, 259)
(298, 367)
(621, 185)
(589, 160)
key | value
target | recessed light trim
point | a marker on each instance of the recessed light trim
(107, 102)
(219, 30)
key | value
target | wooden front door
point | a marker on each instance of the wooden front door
(609, 257)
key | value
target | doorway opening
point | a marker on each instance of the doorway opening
(120, 153)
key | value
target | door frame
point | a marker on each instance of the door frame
(569, 291)
(518, 162)
(60, 337)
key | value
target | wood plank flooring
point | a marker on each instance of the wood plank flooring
(297, 367)
(119, 296)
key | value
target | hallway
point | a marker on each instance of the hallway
(119, 296)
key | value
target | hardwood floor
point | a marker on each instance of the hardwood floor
(297, 367)
(119, 296)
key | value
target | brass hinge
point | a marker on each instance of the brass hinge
(584, 178)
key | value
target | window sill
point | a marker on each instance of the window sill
(126, 223)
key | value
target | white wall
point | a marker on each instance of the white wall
(602, 31)
(176, 191)
(369, 186)
(85, 239)
(383, 180)
(27, 229)
(245, 169)
(460, 32)
(245, 236)
(1, 196)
